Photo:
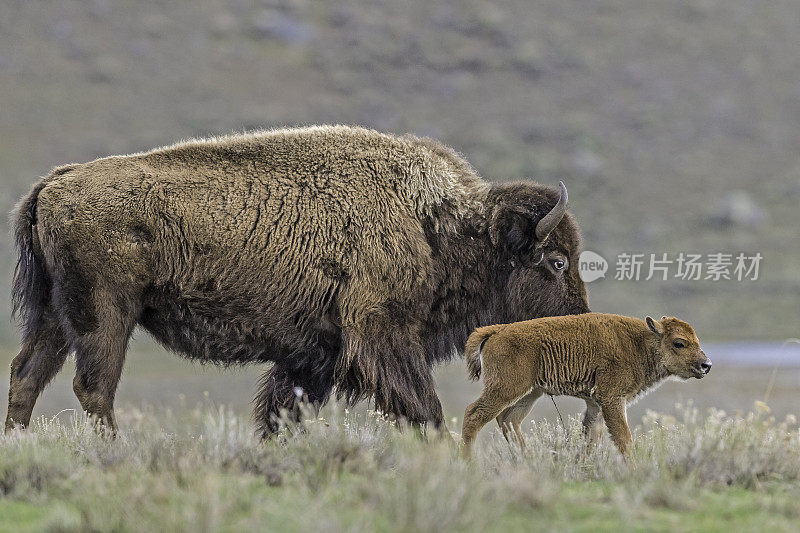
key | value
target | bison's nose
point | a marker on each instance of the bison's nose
(705, 366)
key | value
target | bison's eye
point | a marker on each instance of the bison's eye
(559, 264)
(678, 344)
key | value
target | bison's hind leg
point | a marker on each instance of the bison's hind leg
(100, 355)
(44, 349)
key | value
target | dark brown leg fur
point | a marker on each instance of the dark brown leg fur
(99, 358)
(277, 397)
(44, 349)
(391, 367)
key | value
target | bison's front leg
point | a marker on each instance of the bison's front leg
(432, 407)
(394, 371)
(281, 392)
(419, 407)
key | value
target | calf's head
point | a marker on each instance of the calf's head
(679, 348)
(537, 243)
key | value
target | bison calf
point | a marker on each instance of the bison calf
(606, 360)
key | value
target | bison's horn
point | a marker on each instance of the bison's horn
(549, 222)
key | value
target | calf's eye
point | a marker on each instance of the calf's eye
(559, 264)
(678, 344)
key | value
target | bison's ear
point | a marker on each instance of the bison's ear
(513, 229)
(655, 327)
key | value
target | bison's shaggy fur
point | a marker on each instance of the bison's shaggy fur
(607, 360)
(352, 260)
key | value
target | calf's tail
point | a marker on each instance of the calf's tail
(474, 346)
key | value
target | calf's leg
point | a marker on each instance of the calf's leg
(477, 415)
(511, 417)
(493, 400)
(592, 423)
(614, 413)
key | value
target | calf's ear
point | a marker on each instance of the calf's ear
(655, 327)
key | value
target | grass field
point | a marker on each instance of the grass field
(202, 470)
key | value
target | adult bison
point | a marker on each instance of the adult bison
(349, 258)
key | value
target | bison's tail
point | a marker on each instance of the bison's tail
(30, 291)
(474, 346)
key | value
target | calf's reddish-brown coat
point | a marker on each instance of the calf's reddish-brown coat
(606, 360)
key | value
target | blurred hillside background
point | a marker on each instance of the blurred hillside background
(676, 125)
